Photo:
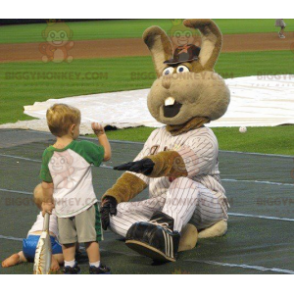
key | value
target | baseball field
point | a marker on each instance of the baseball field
(113, 53)
(110, 56)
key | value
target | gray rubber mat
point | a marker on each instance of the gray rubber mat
(259, 188)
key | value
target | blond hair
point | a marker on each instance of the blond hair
(60, 117)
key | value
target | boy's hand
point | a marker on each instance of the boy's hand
(98, 129)
(47, 208)
(102, 138)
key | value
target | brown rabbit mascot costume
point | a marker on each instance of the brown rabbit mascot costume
(179, 162)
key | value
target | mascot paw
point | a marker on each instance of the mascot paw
(216, 230)
(154, 239)
(189, 237)
(144, 166)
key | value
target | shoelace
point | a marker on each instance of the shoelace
(164, 225)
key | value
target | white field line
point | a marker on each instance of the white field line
(39, 161)
(16, 192)
(10, 238)
(20, 158)
(244, 266)
(257, 182)
(285, 219)
(258, 154)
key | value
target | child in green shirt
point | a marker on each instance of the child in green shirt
(67, 185)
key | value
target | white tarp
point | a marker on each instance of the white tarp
(255, 101)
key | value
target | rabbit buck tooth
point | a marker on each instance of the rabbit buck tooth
(169, 101)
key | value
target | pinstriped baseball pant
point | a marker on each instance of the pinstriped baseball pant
(185, 201)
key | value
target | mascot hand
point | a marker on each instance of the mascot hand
(144, 166)
(108, 208)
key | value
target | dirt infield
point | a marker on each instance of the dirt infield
(135, 47)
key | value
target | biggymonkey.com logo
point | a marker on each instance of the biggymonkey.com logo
(180, 35)
(58, 37)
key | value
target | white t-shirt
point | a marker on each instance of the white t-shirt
(38, 224)
(70, 171)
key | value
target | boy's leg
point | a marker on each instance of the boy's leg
(129, 213)
(88, 226)
(89, 231)
(69, 251)
(93, 253)
(68, 239)
(14, 259)
(70, 264)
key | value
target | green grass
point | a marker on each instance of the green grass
(27, 86)
(36, 81)
(91, 30)
(139, 134)
(268, 140)
(23, 83)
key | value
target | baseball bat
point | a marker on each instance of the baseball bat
(43, 255)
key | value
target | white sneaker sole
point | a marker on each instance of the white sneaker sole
(148, 251)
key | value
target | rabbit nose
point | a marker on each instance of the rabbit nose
(166, 81)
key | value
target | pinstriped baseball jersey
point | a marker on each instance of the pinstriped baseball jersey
(199, 150)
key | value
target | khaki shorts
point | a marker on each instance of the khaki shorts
(84, 227)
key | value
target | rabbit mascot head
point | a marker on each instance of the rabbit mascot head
(187, 87)
(179, 162)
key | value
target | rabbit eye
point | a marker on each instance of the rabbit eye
(182, 68)
(168, 71)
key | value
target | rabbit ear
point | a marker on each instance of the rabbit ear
(211, 41)
(160, 46)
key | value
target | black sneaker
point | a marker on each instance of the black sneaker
(68, 270)
(101, 270)
(155, 239)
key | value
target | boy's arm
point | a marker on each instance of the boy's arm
(103, 140)
(48, 203)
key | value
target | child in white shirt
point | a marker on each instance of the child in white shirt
(30, 243)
